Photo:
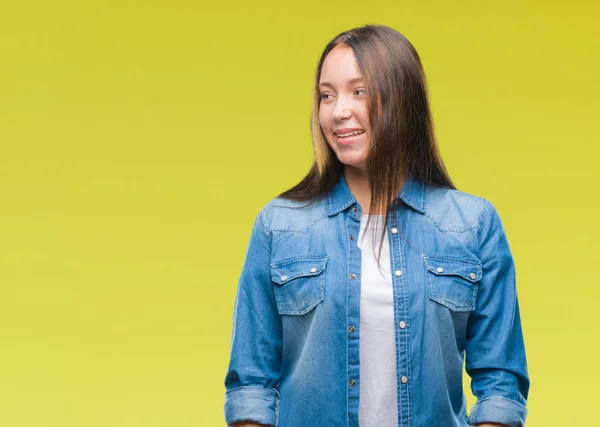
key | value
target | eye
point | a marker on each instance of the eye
(360, 90)
(324, 95)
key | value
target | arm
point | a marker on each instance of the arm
(495, 352)
(253, 375)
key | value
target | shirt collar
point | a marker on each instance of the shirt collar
(412, 193)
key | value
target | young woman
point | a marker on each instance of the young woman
(368, 285)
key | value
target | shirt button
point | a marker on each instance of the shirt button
(404, 380)
(283, 278)
(351, 329)
(440, 270)
(402, 324)
(312, 270)
(398, 273)
(472, 276)
(354, 209)
(351, 237)
(352, 383)
(352, 276)
(394, 230)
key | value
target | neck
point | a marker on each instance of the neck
(358, 184)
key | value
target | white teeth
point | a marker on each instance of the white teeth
(358, 132)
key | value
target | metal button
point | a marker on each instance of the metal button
(351, 329)
(398, 273)
(440, 270)
(283, 278)
(402, 324)
(351, 237)
(394, 230)
(472, 276)
(312, 270)
(352, 276)
(352, 383)
(404, 380)
(354, 209)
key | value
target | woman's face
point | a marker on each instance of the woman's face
(343, 107)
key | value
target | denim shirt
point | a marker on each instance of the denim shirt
(295, 345)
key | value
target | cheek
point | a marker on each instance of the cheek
(365, 120)
(322, 120)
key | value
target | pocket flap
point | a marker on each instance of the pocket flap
(469, 270)
(288, 269)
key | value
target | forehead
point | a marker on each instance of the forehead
(339, 66)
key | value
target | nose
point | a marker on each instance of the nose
(341, 110)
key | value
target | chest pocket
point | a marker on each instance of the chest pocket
(299, 283)
(453, 282)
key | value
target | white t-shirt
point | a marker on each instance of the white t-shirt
(378, 405)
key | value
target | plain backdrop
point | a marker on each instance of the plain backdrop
(139, 139)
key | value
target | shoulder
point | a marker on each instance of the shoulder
(290, 215)
(455, 210)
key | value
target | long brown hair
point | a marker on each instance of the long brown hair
(402, 134)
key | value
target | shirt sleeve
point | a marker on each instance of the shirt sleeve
(254, 370)
(495, 352)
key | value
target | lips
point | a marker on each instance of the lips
(338, 132)
(348, 140)
(350, 134)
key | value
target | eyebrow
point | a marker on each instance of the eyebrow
(355, 80)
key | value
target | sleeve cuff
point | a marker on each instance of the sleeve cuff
(498, 409)
(252, 403)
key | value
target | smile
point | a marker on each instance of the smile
(349, 134)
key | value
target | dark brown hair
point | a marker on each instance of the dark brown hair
(402, 134)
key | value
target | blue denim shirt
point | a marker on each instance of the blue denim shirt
(296, 336)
